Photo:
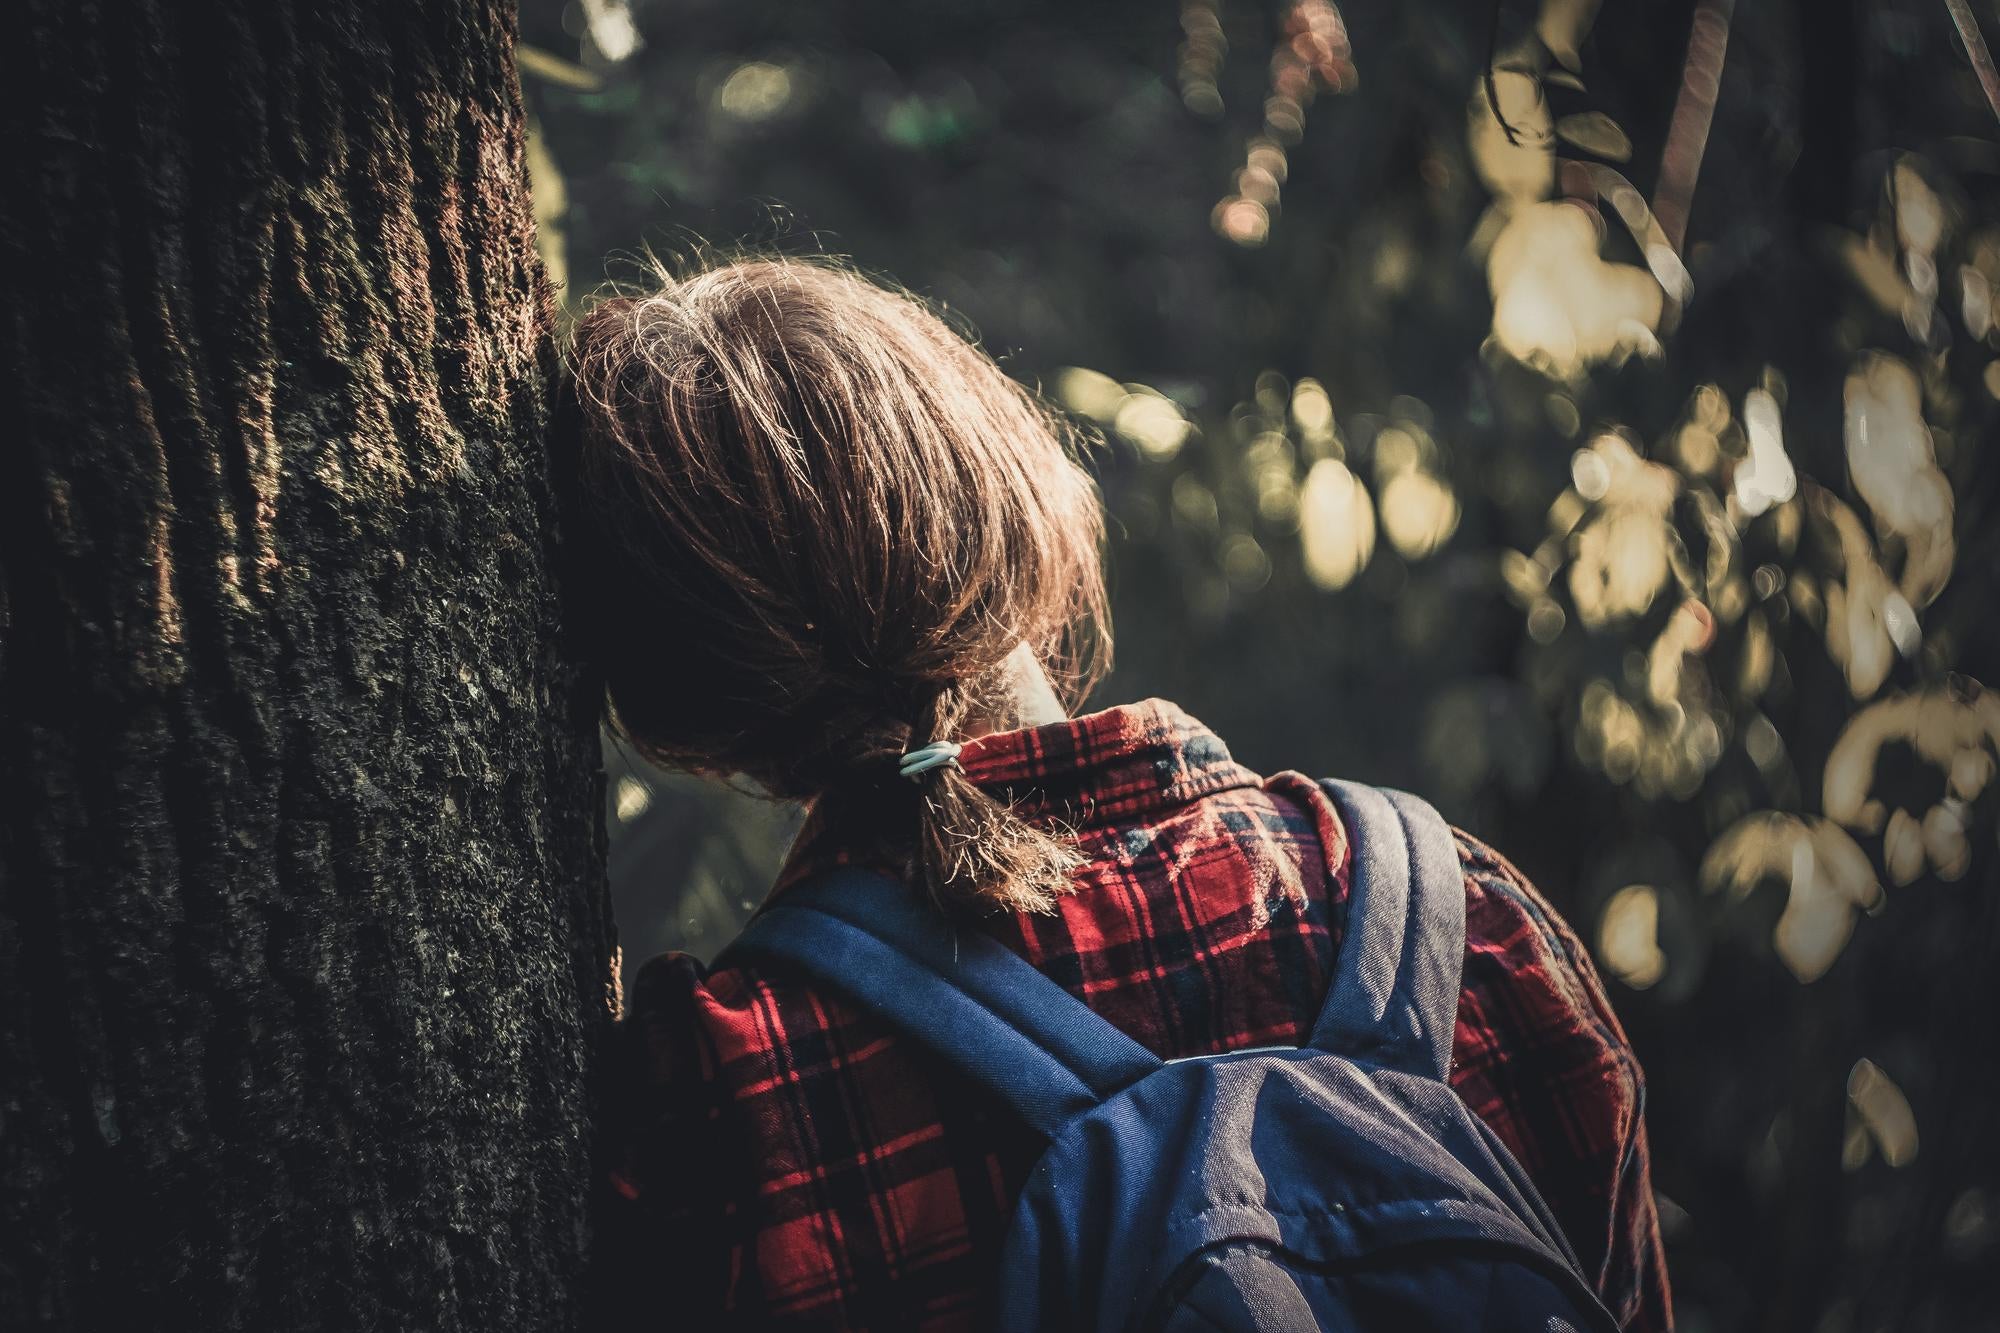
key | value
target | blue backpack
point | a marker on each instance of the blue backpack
(1338, 1185)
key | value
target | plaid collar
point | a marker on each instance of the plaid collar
(1121, 764)
(1124, 763)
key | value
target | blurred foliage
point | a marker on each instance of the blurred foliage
(1586, 419)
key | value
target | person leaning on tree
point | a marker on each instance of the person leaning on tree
(846, 557)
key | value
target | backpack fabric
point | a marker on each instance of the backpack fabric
(1338, 1185)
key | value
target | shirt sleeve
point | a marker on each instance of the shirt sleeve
(657, 1195)
(1540, 1056)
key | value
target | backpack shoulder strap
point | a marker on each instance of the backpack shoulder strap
(1394, 997)
(972, 1001)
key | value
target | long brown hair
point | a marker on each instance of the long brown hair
(826, 521)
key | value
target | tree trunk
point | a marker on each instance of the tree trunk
(303, 945)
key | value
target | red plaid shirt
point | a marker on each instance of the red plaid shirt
(781, 1159)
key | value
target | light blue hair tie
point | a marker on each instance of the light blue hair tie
(937, 754)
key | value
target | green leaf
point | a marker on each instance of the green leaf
(1596, 133)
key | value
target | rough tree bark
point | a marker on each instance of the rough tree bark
(303, 944)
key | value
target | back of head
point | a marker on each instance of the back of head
(823, 523)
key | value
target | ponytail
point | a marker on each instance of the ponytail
(972, 850)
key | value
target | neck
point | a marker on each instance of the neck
(1024, 697)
